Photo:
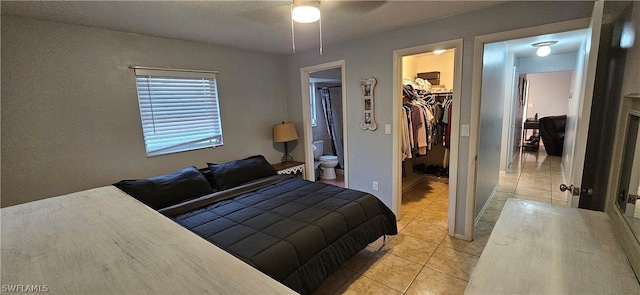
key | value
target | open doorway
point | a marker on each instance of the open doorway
(427, 79)
(325, 135)
(325, 91)
(537, 173)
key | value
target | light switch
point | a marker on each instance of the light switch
(387, 128)
(464, 130)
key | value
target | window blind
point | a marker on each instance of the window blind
(179, 110)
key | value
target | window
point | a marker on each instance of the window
(179, 110)
(312, 103)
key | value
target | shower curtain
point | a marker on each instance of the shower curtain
(333, 113)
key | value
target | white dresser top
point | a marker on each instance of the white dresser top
(103, 241)
(538, 248)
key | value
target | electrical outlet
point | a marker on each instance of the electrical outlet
(375, 185)
(387, 128)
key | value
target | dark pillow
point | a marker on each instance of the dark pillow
(234, 173)
(165, 190)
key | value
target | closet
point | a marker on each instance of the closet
(425, 129)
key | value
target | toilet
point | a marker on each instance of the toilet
(327, 163)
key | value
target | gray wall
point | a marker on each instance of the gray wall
(370, 152)
(494, 79)
(70, 118)
(549, 93)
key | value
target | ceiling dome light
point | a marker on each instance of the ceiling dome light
(305, 14)
(543, 51)
(543, 47)
(439, 51)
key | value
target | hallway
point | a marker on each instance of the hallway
(422, 258)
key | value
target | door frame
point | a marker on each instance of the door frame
(396, 183)
(476, 95)
(306, 117)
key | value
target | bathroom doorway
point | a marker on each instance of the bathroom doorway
(323, 97)
(325, 91)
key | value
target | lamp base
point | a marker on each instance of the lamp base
(286, 159)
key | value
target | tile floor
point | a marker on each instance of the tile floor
(338, 181)
(422, 258)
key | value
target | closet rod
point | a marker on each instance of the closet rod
(170, 69)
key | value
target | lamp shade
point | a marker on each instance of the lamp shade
(284, 132)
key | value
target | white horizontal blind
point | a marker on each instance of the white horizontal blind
(179, 110)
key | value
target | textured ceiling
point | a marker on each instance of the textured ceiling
(255, 25)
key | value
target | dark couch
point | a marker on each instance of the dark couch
(552, 133)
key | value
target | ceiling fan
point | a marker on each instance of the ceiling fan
(309, 11)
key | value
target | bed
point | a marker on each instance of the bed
(295, 231)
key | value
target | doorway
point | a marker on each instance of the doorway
(325, 91)
(400, 148)
(323, 96)
(494, 50)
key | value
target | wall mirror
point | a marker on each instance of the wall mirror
(624, 182)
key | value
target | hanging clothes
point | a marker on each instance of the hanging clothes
(426, 118)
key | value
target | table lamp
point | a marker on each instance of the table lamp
(285, 132)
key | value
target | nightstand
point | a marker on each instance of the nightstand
(293, 168)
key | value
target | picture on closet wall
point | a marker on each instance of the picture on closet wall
(367, 86)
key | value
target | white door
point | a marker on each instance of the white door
(579, 109)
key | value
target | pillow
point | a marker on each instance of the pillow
(165, 190)
(234, 173)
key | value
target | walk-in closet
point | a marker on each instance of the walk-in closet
(427, 99)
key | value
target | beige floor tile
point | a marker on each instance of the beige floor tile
(490, 215)
(560, 203)
(410, 211)
(533, 193)
(391, 270)
(530, 198)
(474, 247)
(559, 196)
(419, 201)
(507, 188)
(439, 204)
(425, 231)
(483, 228)
(438, 217)
(536, 182)
(506, 180)
(410, 248)
(335, 281)
(361, 258)
(497, 203)
(360, 284)
(534, 186)
(453, 262)
(431, 281)
(503, 196)
(402, 223)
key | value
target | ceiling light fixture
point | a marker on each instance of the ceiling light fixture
(439, 51)
(305, 12)
(543, 51)
(543, 47)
